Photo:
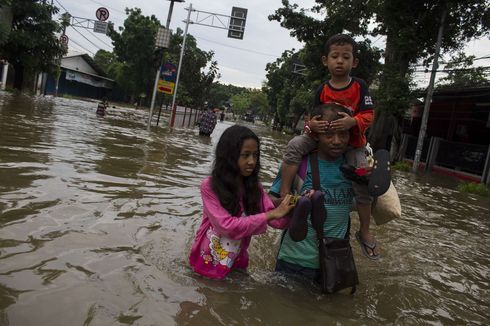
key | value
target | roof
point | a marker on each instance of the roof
(88, 59)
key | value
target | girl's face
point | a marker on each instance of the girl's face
(249, 153)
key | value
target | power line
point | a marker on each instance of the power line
(82, 47)
(110, 46)
(61, 5)
(76, 30)
(101, 4)
(238, 48)
(451, 70)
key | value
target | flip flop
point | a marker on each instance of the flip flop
(380, 178)
(298, 225)
(318, 213)
(365, 245)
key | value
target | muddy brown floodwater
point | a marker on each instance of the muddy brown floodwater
(97, 216)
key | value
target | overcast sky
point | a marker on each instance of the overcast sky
(241, 62)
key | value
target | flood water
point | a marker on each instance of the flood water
(97, 216)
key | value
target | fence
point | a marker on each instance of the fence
(184, 117)
(465, 158)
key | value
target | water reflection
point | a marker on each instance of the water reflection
(97, 216)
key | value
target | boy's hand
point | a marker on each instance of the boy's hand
(344, 123)
(316, 125)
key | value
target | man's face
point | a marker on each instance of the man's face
(340, 60)
(332, 144)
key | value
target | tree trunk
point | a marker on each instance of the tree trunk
(392, 98)
(18, 77)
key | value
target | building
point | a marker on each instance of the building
(458, 132)
(80, 77)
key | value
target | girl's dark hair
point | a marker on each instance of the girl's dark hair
(227, 181)
(341, 39)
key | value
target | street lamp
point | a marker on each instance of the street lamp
(157, 77)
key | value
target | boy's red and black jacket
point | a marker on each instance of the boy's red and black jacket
(357, 99)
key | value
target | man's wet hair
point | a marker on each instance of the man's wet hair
(329, 111)
(341, 39)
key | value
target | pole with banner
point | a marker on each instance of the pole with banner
(157, 77)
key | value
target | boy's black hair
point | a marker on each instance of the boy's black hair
(227, 181)
(331, 109)
(341, 39)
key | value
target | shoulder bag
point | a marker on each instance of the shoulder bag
(337, 266)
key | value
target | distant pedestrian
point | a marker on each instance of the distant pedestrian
(222, 116)
(207, 122)
(102, 107)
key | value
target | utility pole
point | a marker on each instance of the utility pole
(157, 76)
(235, 28)
(428, 98)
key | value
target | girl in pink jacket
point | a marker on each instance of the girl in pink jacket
(235, 206)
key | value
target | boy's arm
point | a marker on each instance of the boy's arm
(288, 172)
(298, 147)
(364, 120)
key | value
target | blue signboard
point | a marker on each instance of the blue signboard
(168, 72)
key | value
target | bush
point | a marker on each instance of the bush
(402, 166)
(474, 188)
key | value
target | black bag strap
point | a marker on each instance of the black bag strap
(315, 176)
(315, 173)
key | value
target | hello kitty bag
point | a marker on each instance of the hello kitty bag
(217, 255)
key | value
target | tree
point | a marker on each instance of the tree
(5, 20)
(198, 70)
(241, 103)
(133, 48)
(410, 29)
(259, 104)
(32, 44)
(286, 89)
(461, 74)
(219, 94)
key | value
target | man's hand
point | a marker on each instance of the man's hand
(344, 123)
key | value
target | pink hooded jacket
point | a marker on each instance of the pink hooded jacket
(221, 242)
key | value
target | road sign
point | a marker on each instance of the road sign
(100, 27)
(102, 14)
(165, 87)
(237, 23)
(64, 39)
(168, 72)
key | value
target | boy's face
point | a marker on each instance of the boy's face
(333, 143)
(340, 60)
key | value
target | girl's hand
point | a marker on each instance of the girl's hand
(284, 207)
(318, 126)
(344, 123)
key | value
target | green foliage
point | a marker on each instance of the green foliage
(402, 166)
(288, 92)
(133, 49)
(5, 21)
(461, 74)
(219, 94)
(198, 70)
(259, 104)
(241, 103)
(409, 28)
(474, 188)
(32, 44)
(105, 60)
